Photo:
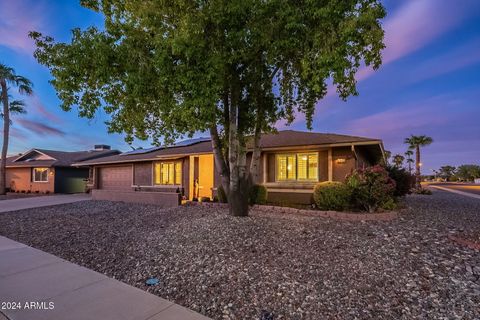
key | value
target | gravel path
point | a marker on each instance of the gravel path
(295, 267)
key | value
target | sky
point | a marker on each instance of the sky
(428, 84)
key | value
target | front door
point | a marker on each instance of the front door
(201, 176)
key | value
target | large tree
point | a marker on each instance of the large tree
(8, 78)
(163, 69)
(468, 172)
(415, 143)
(446, 172)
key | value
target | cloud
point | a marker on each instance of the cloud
(417, 117)
(40, 128)
(19, 18)
(40, 108)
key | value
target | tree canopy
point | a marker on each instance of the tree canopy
(163, 69)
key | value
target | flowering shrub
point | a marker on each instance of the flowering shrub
(332, 196)
(371, 188)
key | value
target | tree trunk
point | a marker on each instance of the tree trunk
(6, 129)
(220, 163)
(417, 164)
(239, 187)
(255, 162)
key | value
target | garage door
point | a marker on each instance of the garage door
(115, 178)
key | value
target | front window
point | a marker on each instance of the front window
(40, 174)
(168, 173)
(297, 166)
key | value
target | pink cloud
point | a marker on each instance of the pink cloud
(17, 20)
(40, 128)
(440, 114)
(41, 110)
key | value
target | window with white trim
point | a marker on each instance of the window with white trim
(297, 166)
(40, 174)
(168, 173)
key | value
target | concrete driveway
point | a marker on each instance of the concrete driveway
(42, 201)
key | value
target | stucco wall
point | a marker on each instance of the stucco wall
(162, 199)
(142, 173)
(20, 179)
(341, 170)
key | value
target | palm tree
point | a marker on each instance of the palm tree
(16, 107)
(414, 143)
(398, 160)
(8, 77)
(409, 154)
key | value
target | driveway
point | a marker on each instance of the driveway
(36, 202)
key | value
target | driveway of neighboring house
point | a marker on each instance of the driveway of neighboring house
(36, 202)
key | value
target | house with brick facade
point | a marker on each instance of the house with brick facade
(291, 163)
(51, 171)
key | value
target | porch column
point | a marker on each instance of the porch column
(330, 165)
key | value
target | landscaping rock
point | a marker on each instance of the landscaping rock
(290, 266)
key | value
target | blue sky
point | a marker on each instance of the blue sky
(429, 82)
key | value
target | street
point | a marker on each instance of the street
(465, 187)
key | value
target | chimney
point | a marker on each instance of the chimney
(101, 147)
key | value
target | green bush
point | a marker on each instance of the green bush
(404, 181)
(258, 194)
(371, 188)
(222, 195)
(332, 196)
(422, 191)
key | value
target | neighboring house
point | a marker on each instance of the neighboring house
(291, 163)
(49, 171)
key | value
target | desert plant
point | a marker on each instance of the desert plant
(258, 194)
(332, 196)
(371, 188)
(404, 181)
(222, 196)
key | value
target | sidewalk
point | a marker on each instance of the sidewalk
(50, 288)
(42, 201)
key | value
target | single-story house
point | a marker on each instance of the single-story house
(291, 163)
(50, 171)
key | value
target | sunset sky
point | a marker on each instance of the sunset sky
(429, 82)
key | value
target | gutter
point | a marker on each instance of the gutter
(167, 157)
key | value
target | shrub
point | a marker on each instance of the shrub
(222, 195)
(422, 191)
(404, 181)
(258, 195)
(371, 188)
(332, 196)
(205, 199)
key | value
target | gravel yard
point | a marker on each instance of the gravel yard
(296, 267)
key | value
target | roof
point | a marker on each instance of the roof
(54, 158)
(285, 138)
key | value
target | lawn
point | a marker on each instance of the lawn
(296, 267)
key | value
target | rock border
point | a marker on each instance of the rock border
(337, 215)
